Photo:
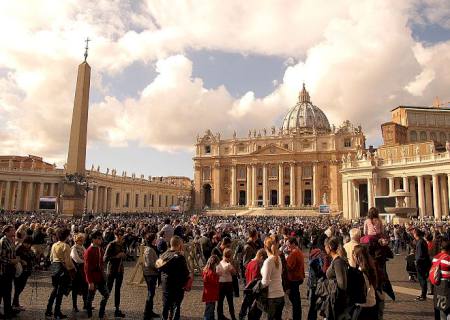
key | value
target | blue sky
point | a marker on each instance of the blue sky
(164, 73)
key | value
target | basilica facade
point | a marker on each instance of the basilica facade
(296, 166)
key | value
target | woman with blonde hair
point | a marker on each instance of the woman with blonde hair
(79, 285)
(271, 278)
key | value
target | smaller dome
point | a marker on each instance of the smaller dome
(305, 116)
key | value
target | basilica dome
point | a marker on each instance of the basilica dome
(305, 116)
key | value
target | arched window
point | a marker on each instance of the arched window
(413, 136)
(423, 136)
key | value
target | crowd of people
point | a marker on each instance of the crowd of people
(87, 255)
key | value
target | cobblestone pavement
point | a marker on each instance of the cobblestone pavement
(35, 296)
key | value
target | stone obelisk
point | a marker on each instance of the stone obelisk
(74, 192)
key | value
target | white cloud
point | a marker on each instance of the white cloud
(357, 58)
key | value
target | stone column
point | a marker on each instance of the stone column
(315, 201)
(254, 184)
(19, 196)
(233, 186)
(41, 193)
(27, 198)
(7, 204)
(292, 185)
(95, 205)
(89, 201)
(280, 185)
(391, 185)
(436, 197)
(248, 193)
(444, 193)
(428, 197)
(265, 186)
(345, 202)
(370, 198)
(412, 190)
(448, 188)
(298, 185)
(1, 194)
(406, 188)
(351, 203)
(105, 199)
(217, 181)
(421, 196)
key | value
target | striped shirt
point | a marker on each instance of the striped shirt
(7, 253)
(444, 263)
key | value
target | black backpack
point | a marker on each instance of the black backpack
(356, 286)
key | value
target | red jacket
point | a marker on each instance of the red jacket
(210, 286)
(93, 265)
(253, 271)
(296, 265)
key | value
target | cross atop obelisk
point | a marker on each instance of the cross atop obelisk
(86, 49)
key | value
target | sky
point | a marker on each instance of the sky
(165, 71)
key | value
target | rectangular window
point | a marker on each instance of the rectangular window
(307, 172)
(286, 146)
(206, 173)
(347, 143)
(241, 149)
(136, 201)
(324, 145)
(207, 149)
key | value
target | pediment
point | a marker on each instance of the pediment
(272, 149)
(208, 138)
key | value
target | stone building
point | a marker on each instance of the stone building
(24, 180)
(295, 166)
(415, 157)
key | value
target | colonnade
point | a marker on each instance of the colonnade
(256, 186)
(25, 194)
(430, 193)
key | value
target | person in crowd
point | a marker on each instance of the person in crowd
(150, 274)
(411, 265)
(271, 278)
(178, 229)
(210, 287)
(79, 286)
(423, 262)
(27, 260)
(250, 248)
(315, 273)
(397, 238)
(95, 277)
(174, 276)
(355, 236)
(442, 289)
(206, 245)
(161, 243)
(114, 256)
(226, 270)
(224, 244)
(295, 263)
(337, 271)
(62, 271)
(168, 230)
(252, 274)
(8, 262)
(373, 226)
(366, 265)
